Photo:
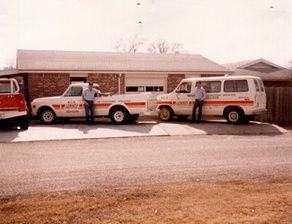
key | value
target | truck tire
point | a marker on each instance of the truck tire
(165, 114)
(119, 115)
(47, 116)
(23, 123)
(234, 116)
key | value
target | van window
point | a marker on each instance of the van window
(261, 86)
(235, 86)
(212, 86)
(256, 85)
(185, 87)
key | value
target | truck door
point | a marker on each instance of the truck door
(72, 104)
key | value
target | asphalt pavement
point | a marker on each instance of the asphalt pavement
(145, 126)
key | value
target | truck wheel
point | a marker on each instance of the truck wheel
(119, 116)
(23, 123)
(234, 116)
(48, 116)
(165, 114)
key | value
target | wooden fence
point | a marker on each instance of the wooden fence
(279, 105)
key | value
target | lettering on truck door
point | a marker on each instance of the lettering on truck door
(72, 104)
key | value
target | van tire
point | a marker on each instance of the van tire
(234, 116)
(165, 114)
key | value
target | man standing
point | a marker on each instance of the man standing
(88, 98)
(199, 94)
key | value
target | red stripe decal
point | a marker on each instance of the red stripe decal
(208, 103)
(136, 104)
(56, 106)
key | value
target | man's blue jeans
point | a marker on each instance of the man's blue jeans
(198, 104)
(89, 112)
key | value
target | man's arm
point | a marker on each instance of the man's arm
(193, 93)
(97, 93)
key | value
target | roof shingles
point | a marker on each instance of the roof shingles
(110, 61)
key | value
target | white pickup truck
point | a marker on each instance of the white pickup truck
(13, 106)
(121, 109)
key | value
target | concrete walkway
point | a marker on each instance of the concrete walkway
(146, 126)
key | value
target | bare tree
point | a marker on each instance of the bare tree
(163, 47)
(9, 64)
(132, 46)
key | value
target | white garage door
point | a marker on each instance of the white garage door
(137, 85)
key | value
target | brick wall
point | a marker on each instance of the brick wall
(173, 81)
(48, 84)
(108, 82)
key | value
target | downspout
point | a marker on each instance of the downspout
(119, 84)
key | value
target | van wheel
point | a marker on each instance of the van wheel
(48, 116)
(165, 114)
(234, 116)
(119, 116)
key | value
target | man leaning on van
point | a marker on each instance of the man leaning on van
(199, 94)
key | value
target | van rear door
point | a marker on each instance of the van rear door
(260, 94)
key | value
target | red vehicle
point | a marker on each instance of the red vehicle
(13, 107)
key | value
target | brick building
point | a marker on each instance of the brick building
(48, 73)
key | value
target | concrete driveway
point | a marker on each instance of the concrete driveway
(146, 126)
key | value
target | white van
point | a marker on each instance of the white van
(237, 98)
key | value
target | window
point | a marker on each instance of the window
(77, 79)
(235, 86)
(134, 88)
(5, 87)
(185, 87)
(146, 88)
(74, 91)
(212, 86)
(154, 88)
(261, 86)
(256, 85)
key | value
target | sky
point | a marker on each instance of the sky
(223, 31)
